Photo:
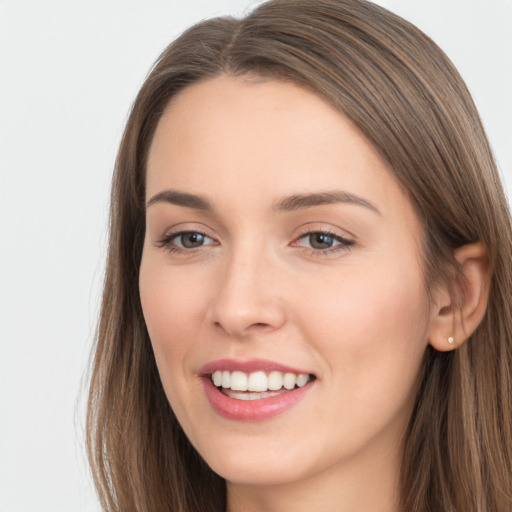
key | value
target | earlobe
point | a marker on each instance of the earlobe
(461, 307)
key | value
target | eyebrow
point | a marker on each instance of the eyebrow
(291, 203)
(181, 199)
(303, 201)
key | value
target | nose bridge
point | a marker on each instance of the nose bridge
(247, 296)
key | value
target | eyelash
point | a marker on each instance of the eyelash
(343, 243)
(167, 242)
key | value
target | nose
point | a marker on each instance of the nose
(247, 297)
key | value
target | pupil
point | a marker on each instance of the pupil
(320, 241)
(191, 240)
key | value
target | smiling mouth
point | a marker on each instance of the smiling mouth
(257, 385)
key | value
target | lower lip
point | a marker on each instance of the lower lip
(252, 410)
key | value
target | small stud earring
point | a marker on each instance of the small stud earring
(450, 340)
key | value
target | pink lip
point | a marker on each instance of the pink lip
(254, 365)
(250, 410)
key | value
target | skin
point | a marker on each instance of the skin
(356, 316)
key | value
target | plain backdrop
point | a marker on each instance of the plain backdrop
(69, 71)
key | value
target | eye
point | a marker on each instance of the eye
(190, 239)
(320, 240)
(185, 240)
(323, 241)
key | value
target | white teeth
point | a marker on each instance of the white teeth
(289, 380)
(302, 379)
(226, 379)
(275, 381)
(257, 382)
(217, 378)
(238, 381)
(245, 396)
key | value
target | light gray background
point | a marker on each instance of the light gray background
(69, 71)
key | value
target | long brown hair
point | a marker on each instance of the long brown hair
(404, 94)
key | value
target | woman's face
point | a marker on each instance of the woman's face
(280, 252)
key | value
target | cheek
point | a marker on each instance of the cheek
(371, 330)
(371, 326)
(172, 309)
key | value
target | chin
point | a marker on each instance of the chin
(257, 472)
(249, 462)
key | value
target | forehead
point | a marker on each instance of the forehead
(253, 142)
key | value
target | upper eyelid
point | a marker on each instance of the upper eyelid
(327, 233)
(328, 230)
(186, 227)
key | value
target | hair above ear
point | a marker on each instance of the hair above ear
(462, 303)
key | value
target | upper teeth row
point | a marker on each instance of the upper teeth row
(258, 381)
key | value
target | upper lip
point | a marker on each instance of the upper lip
(248, 366)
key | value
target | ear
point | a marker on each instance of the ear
(460, 308)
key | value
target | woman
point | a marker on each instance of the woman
(308, 284)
